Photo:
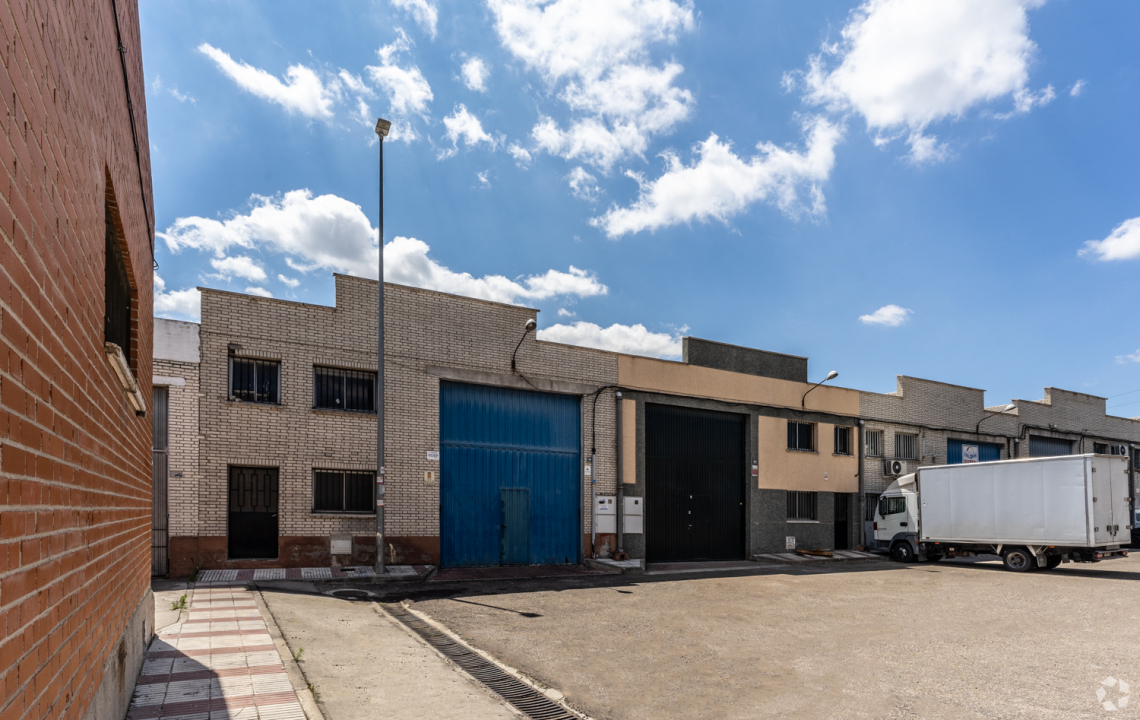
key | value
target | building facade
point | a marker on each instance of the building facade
(925, 422)
(733, 457)
(287, 428)
(76, 259)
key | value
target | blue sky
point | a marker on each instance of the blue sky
(944, 190)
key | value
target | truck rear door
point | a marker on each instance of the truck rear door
(1110, 512)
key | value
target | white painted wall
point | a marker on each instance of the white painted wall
(176, 340)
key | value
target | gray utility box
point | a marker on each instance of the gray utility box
(633, 515)
(605, 514)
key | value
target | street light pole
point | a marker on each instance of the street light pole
(382, 128)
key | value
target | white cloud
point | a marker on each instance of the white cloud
(475, 74)
(329, 232)
(889, 315)
(563, 312)
(242, 266)
(906, 64)
(302, 92)
(519, 153)
(180, 304)
(406, 262)
(461, 124)
(1122, 244)
(721, 184)
(1077, 88)
(291, 282)
(179, 96)
(1131, 357)
(600, 51)
(407, 90)
(630, 339)
(259, 291)
(583, 185)
(424, 12)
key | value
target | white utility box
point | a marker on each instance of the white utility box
(340, 545)
(605, 514)
(633, 515)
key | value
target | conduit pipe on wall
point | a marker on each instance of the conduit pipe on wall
(620, 476)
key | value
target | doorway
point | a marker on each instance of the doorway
(842, 525)
(253, 513)
(160, 506)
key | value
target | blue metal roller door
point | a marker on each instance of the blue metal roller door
(495, 444)
(987, 452)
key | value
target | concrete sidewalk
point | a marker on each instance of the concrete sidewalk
(363, 664)
(218, 662)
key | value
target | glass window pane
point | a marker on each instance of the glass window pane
(358, 491)
(328, 491)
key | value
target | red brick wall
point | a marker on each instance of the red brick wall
(75, 461)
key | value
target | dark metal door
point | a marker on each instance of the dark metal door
(253, 513)
(493, 438)
(160, 505)
(1040, 446)
(514, 529)
(842, 529)
(694, 494)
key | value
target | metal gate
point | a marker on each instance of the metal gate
(986, 452)
(253, 513)
(694, 484)
(160, 504)
(1040, 446)
(506, 454)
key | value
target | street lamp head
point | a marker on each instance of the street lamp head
(1009, 407)
(382, 127)
(832, 375)
(531, 325)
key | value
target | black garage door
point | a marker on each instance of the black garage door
(694, 484)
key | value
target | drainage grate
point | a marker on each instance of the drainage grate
(351, 594)
(532, 703)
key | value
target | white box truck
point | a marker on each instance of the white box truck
(1034, 513)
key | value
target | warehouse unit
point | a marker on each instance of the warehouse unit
(925, 422)
(731, 453)
(487, 445)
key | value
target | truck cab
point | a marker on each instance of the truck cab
(895, 526)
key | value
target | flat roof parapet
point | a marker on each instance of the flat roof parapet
(749, 361)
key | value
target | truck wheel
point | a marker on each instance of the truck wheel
(1019, 559)
(1052, 561)
(902, 552)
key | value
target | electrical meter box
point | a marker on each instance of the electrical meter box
(340, 545)
(633, 515)
(605, 514)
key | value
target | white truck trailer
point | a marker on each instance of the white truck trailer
(1034, 513)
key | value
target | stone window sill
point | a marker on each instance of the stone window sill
(803, 522)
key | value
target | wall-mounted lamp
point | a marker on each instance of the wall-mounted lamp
(530, 325)
(830, 376)
(1005, 409)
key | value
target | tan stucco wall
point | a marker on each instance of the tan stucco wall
(628, 441)
(674, 378)
(783, 469)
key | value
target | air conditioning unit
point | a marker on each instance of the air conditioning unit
(895, 467)
(1121, 450)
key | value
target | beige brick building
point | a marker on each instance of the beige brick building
(430, 338)
(925, 422)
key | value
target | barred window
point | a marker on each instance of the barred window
(1100, 448)
(346, 491)
(802, 505)
(338, 389)
(906, 446)
(801, 436)
(874, 442)
(842, 441)
(870, 502)
(255, 380)
(116, 292)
